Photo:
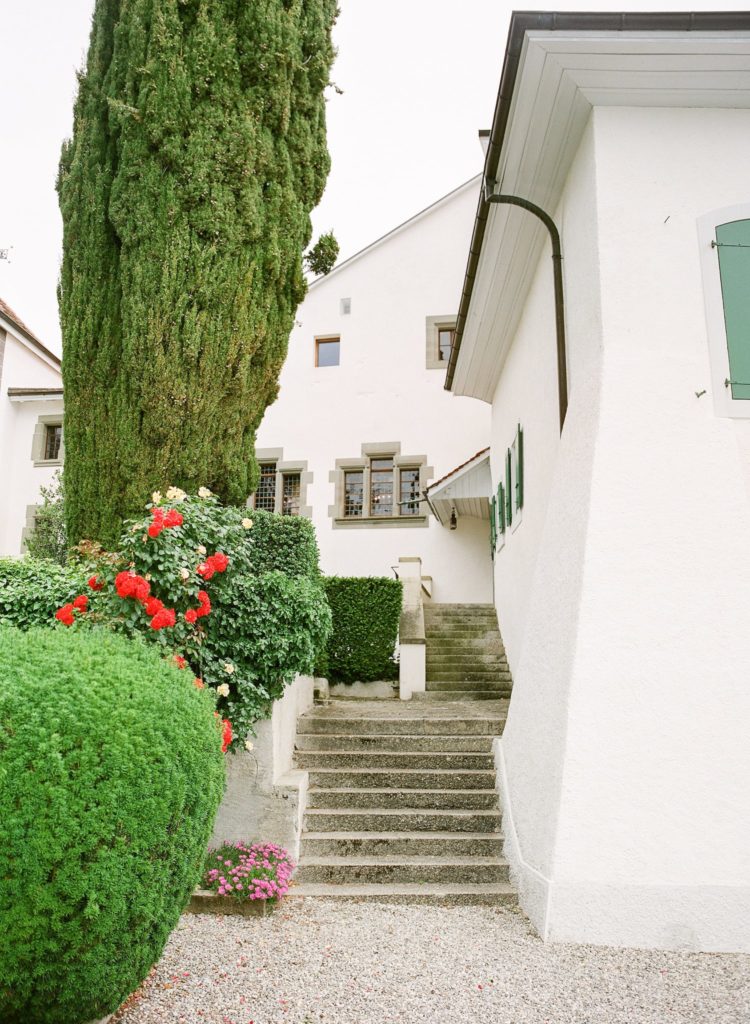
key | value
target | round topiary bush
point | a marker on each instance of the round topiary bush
(111, 772)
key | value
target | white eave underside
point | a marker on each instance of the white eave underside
(561, 76)
(467, 490)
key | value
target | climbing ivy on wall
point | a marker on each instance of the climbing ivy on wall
(198, 151)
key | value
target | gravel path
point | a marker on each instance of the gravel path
(315, 962)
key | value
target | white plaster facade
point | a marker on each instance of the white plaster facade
(383, 391)
(30, 397)
(624, 592)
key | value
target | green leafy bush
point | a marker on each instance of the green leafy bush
(110, 776)
(283, 543)
(49, 538)
(32, 589)
(366, 612)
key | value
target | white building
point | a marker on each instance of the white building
(363, 424)
(31, 416)
(622, 584)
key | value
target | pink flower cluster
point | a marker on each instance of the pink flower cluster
(261, 871)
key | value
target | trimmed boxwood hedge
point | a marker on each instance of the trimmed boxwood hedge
(366, 612)
(110, 776)
(284, 544)
(32, 589)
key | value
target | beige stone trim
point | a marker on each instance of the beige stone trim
(369, 450)
(39, 439)
(434, 325)
(283, 467)
(29, 525)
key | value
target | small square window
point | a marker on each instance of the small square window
(290, 494)
(265, 496)
(52, 441)
(327, 351)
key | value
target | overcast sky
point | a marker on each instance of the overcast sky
(419, 78)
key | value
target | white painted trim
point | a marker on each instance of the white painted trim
(520, 868)
(48, 358)
(718, 350)
(56, 396)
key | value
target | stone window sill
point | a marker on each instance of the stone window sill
(380, 520)
(44, 463)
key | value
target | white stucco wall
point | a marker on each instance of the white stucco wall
(382, 391)
(624, 593)
(21, 480)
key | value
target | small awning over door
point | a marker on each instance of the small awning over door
(467, 490)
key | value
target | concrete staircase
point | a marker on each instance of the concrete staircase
(465, 654)
(402, 806)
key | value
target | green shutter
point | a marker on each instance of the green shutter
(519, 468)
(493, 521)
(509, 487)
(500, 509)
(733, 247)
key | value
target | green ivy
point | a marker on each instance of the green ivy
(32, 589)
(110, 776)
(366, 612)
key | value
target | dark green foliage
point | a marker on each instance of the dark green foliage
(110, 776)
(49, 537)
(366, 612)
(198, 151)
(31, 590)
(283, 543)
(321, 259)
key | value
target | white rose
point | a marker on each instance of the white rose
(156, 497)
(249, 745)
(201, 549)
(223, 690)
(185, 573)
(228, 667)
(176, 494)
(247, 523)
(203, 492)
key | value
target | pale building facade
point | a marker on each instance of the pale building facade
(363, 424)
(622, 580)
(31, 417)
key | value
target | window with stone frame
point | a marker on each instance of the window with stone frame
(282, 487)
(265, 495)
(440, 332)
(382, 487)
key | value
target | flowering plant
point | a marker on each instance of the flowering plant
(261, 871)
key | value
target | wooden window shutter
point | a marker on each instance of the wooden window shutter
(519, 468)
(493, 524)
(509, 487)
(501, 508)
(733, 247)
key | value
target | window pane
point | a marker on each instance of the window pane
(381, 487)
(52, 439)
(445, 341)
(265, 496)
(290, 496)
(409, 499)
(354, 489)
(327, 352)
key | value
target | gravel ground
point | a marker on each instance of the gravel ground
(314, 961)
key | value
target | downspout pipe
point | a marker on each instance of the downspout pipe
(554, 234)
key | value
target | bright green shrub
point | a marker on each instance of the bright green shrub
(366, 612)
(110, 776)
(264, 625)
(49, 538)
(32, 589)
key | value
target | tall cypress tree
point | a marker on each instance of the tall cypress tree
(198, 152)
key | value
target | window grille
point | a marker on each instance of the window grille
(290, 495)
(52, 441)
(381, 487)
(265, 496)
(445, 343)
(409, 497)
(354, 491)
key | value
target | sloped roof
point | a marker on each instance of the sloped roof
(435, 483)
(12, 317)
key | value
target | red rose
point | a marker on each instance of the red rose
(95, 583)
(157, 514)
(179, 661)
(153, 605)
(141, 589)
(199, 684)
(65, 614)
(124, 584)
(163, 619)
(205, 604)
(173, 518)
(81, 603)
(155, 529)
(218, 562)
(226, 733)
(206, 569)
(191, 615)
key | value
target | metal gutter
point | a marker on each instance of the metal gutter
(522, 22)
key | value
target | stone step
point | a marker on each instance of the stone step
(377, 819)
(431, 894)
(406, 724)
(492, 694)
(438, 799)
(460, 683)
(388, 778)
(465, 648)
(405, 742)
(404, 869)
(451, 657)
(396, 844)
(390, 759)
(468, 672)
